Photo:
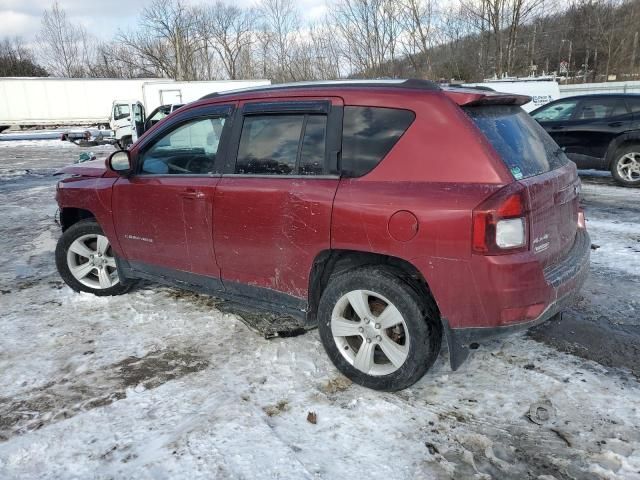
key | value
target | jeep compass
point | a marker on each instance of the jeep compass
(394, 216)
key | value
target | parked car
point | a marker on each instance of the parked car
(391, 215)
(597, 131)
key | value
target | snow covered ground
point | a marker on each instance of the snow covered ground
(161, 383)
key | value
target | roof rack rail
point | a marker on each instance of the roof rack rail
(412, 83)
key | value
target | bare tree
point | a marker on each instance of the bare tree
(67, 48)
(16, 60)
(279, 34)
(166, 40)
(229, 30)
(417, 18)
(504, 18)
(370, 30)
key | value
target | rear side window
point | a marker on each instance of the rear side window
(634, 104)
(521, 142)
(599, 108)
(282, 145)
(368, 134)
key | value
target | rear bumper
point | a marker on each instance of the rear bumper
(564, 279)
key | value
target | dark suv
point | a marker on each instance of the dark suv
(597, 131)
(391, 215)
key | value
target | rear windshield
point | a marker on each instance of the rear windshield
(524, 146)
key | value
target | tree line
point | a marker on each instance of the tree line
(580, 40)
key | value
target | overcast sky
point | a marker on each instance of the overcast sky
(102, 18)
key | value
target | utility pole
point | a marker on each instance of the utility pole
(569, 61)
(633, 55)
(586, 67)
(533, 45)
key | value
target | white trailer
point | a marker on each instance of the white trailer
(30, 102)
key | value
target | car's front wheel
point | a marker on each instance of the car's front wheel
(625, 167)
(377, 329)
(86, 262)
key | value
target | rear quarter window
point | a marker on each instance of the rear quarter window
(368, 134)
(522, 144)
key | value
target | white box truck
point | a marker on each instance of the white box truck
(49, 102)
(129, 116)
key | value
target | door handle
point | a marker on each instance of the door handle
(192, 193)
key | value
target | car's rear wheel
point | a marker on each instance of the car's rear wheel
(625, 167)
(377, 329)
(86, 261)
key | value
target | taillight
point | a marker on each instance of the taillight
(500, 222)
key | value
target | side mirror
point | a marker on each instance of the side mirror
(120, 162)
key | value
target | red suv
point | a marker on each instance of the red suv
(391, 215)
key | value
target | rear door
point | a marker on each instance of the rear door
(273, 205)
(537, 162)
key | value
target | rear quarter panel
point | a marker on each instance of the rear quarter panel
(439, 170)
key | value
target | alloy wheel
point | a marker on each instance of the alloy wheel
(91, 262)
(370, 332)
(628, 167)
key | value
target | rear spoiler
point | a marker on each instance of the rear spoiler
(469, 97)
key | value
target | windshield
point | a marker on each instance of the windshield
(521, 142)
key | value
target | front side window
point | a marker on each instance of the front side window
(121, 111)
(556, 112)
(368, 134)
(189, 149)
(282, 145)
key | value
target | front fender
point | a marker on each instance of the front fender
(93, 195)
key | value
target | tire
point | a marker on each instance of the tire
(414, 343)
(625, 166)
(125, 143)
(95, 274)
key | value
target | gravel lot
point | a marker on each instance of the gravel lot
(161, 383)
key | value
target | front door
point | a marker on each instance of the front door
(272, 211)
(164, 219)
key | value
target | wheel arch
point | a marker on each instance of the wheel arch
(72, 215)
(629, 138)
(335, 261)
